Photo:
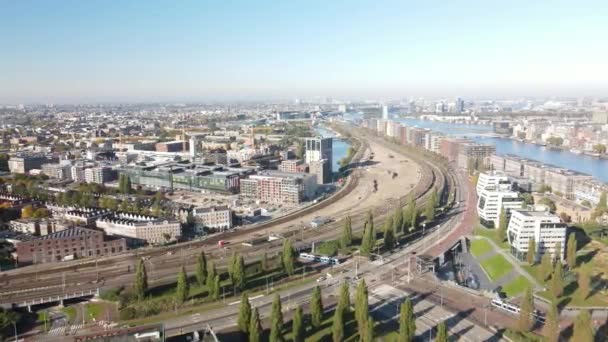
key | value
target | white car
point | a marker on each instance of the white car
(320, 279)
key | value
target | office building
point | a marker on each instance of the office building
(172, 146)
(322, 170)
(491, 178)
(218, 217)
(317, 150)
(279, 187)
(481, 153)
(24, 162)
(66, 244)
(61, 171)
(545, 228)
(140, 228)
(99, 174)
(493, 200)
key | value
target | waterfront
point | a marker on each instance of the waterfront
(339, 147)
(562, 158)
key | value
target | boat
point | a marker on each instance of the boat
(576, 151)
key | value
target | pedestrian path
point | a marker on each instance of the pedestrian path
(65, 330)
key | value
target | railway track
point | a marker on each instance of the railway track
(105, 272)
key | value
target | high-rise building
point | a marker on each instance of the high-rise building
(493, 200)
(460, 105)
(384, 112)
(545, 228)
(320, 149)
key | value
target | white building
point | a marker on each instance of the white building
(493, 199)
(140, 227)
(61, 171)
(545, 228)
(492, 178)
(98, 175)
(218, 217)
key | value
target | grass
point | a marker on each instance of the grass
(70, 311)
(490, 234)
(95, 311)
(517, 286)
(480, 247)
(496, 267)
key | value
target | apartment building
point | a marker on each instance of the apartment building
(493, 200)
(292, 165)
(468, 151)
(450, 147)
(99, 174)
(140, 228)
(62, 172)
(24, 162)
(279, 187)
(545, 228)
(217, 217)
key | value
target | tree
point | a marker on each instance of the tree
(337, 330)
(27, 211)
(369, 239)
(183, 288)
(584, 281)
(397, 221)
(551, 328)
(503, 223)
(430, 206)
(343, 299)
(531, 255)
(298, 325)
(599, 148)
(549, 203)
(546, 266)
(526, 321)
(201, 269)
(347, 233)
(288, 257)
(389, 234)
(361, 306)
(7, 317)
(141, 280)
(216, 287)
(442, 332)
(276, 320)
(368, 332)
(583, 330)
(557, 251)
(255, 328)
(407, 322)
(212, 272)
(571, 251)
(238, 275)
(557, 280)
(244, 318)
(316, 307)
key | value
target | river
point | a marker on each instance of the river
(566, 159)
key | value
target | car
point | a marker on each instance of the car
(320, 279)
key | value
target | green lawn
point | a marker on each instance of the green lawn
(496, 267)
(95, 311)
(70, 311)
(490, 234)
(517, 286)
(480, 247)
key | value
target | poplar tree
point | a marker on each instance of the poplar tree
(361, 306)
(583, 330)
(183, 288)
(347, 233)
(397, 221)
(201, 269)
(298, 325)
(255, 328)
(442, 332)
(141, 280)
(558, 252)
(238, 274)
(525, 321)
(244, 314)
(531, 255)
(557, 280)
(407, 322)
(337, 330)
(571, 251)
(276, 320)
(316, 307)
(211, 276)
(389, 234)
(546, 266)
(343, 299)
(551, 328)
(503, 223)
(288, 257)
(216, 287)
(369, 329)
(584, 281)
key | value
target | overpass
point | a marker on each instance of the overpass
(28, 303)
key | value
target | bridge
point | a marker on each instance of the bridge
(53, 298)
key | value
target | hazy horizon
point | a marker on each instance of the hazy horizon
(161, 51)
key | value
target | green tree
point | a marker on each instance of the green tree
(337, 330)
(212, 272)
(429, 212)
(549, 203)
(343, 299)
(556, 284)
(369, 239)
(546, 266)
(389, 234)
(361, 306)
(531, 255)
(255, 328)
(397, 221)
(368, 332)
(557, 251)
(407, 322)
(201, 269)
(244, 318)
(571, 251)
(583, 330)
(503, 223)
(316, 307)
(238, 274)
(584, 281)
(526, 321)
(7, 318)
(442, 332)
(347, 233)
(298, 325)
(288, 257)
(183, 288)
(141, 280)
(216, 287)
(551, 328)
(276, 320)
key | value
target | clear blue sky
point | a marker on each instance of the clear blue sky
(88, 51)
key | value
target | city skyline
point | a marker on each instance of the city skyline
(67, 51)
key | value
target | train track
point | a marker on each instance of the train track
(432, 177)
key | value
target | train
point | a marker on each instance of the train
(318, 258)
(514, 309)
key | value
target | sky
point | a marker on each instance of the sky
(94, 51)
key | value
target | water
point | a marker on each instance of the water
(566, 159)
(339, 147)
